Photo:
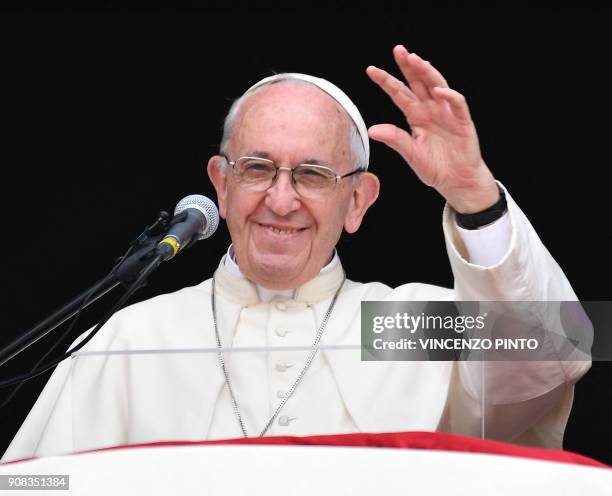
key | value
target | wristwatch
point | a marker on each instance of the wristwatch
(484, 217)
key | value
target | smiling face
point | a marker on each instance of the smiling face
(280, 239)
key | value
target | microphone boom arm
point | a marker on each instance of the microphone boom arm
(125, 272)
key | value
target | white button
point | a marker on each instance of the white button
(281, 393)
(281, 332)
(281, 305)
(284, 420)
(282, 366)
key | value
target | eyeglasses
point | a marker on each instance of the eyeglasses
(310, 181)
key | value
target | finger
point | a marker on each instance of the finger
(399, 93)
(404, 144)
(456, 101)
(400, 54)
(416, 70)
(394, 137)
(390, 84)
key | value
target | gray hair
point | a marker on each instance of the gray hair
(358, 153)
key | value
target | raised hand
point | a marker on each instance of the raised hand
(442, 147)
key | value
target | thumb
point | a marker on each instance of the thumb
(395, 138)
(403, 143)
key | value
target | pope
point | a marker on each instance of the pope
(292, 174)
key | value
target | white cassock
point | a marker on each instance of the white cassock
(100, 401)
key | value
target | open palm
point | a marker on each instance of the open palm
(442, 147)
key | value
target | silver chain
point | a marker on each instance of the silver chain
(301, 375)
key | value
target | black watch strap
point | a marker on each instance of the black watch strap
(491, 214)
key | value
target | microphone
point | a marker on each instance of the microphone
(195, 217)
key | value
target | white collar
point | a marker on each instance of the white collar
(266, 294)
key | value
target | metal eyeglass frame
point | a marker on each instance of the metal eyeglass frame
(291, 169)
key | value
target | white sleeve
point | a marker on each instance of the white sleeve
(528, 400)
(488, 245)
(49, 422)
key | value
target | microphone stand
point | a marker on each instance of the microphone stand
(58, 318)
(126, 271)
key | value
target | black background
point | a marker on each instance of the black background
(108, 116)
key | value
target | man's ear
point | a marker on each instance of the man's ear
(219, 179)
(363, 196)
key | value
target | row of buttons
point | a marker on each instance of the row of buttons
(282, 365)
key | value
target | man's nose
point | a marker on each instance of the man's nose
(281, 197)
